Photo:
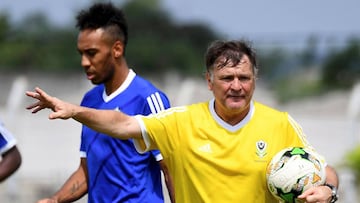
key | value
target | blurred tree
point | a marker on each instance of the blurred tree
(4, 26)
(342, 68)
(34, 44)
(157, 44)
(308, 56)
(271, 63)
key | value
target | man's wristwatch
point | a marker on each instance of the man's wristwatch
(334, 194)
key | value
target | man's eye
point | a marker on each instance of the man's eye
(244, 78)
(91, 53)
(227, 78)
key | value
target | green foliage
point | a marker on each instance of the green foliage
(270, 63)
(296, 87)
(4, 26)
(342, 68)
(34, 45)
(352, 159)
(299, 75)
(287, 79)
(156, 43)
(308, 55)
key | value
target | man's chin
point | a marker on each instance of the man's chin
(236, 106)
(236, 103)
(95, 82)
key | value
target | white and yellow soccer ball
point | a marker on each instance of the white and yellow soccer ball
(294, 170)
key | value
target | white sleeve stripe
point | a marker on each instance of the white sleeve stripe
(302, 136)
(298, 130)
(151, 105)
(145, 137)
(160, 101)
(155, 103)
(295, 125)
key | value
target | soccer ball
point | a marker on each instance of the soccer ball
(292, 171)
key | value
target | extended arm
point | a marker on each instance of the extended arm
(11, 161)
(113, 123)
(73, 189)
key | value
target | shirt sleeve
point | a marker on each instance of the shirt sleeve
(7, 140)
(142, 145)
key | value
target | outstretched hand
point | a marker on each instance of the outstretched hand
(60, 108)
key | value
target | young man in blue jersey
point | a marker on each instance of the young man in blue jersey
(10, 155)
(217, 150)
(111, 170)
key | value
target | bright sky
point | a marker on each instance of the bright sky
(233, 18)
(258, 17)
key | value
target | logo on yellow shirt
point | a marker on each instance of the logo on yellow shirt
(205, 148)
(261, 148)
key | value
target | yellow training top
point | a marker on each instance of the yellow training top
(211, 161)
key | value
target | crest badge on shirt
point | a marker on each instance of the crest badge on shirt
(261, 148)
(205, 148)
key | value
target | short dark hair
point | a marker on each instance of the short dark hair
(106, 16)
(232, 51)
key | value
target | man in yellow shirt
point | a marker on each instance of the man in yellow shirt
(216, 151)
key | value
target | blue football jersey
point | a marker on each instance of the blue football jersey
(116, 171)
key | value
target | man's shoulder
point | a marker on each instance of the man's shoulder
(145, 87)
(196, 109)
(144, 83)
(269, 112)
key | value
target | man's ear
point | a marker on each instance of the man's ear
(208, 78)
(118, 49)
